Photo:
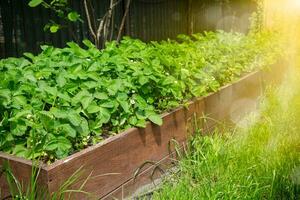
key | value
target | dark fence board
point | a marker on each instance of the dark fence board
(21, 27)
(157, 20)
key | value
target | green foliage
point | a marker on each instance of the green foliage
(61, 8)
(32, 190)
(35, 3)
(73, 16)
(257, 17)
(63, 100)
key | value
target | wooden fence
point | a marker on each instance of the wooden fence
(21, 27)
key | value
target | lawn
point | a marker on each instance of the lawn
(257, 161)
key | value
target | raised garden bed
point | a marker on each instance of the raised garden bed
(114, 161)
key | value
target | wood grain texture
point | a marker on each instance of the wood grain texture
(22, 170)
(122, 155)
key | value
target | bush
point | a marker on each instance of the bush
(63, 100)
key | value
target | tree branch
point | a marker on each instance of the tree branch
(89, 20)
(123, 21)
(92, 15)
(108, 21)
(100, 28)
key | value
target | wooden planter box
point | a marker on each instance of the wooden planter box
(114, 161)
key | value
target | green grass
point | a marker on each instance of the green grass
(32, 190)
(261, 161)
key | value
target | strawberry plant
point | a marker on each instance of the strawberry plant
(63, 100)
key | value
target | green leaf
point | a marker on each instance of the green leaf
(122, 96)
(88, 43)
(64, 96)
(169, 80)
(51, 90)
(34, 3)
(143, 80)
(74, 118)
(124, 105)
(141, 102)
(122, 99)
(84, 127)
(93, 108)
(61, 80)
(43, 86)
(29, 75)
(133, 120)
(91, 84)
(63, 143)
(47, 114)
(18, 128)
(73, 16)
(5, 93)
(141, 123)
(104, 115)
(54, 28)
(66, 128)
(155, 119)
(58, 113)
(19, 100)
(84, 97)
(20, 114)
(140, 114)
(77, 49)
(58, 143)
(20, 150)
(86, 101)
(29, 55)
(108, 105)
(52, 145)
(114, 87)
(100, 95)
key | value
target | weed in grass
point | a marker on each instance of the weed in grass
(33, 191)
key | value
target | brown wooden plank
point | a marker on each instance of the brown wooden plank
(122, 155)
(22, 170)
